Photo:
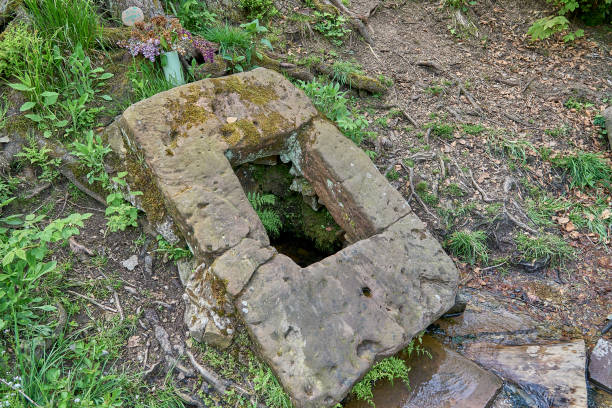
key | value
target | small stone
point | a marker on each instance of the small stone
(600, 368)
(231, 119)
(131, 16)
(130, 263)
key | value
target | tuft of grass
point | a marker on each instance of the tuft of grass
(228, 37)
(68, 22)
(392, 175)
(469, 246)
(586, 170)
(473, 129)
(545, 246)
(542, 209)
(441, 129)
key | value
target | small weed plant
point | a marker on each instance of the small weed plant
(119, 213)
(332, 26)
(258, 9)
(544, 246)
(441, 129)
(262, 204)
(173, 252)
(24, 250)
(194, 15)
(39, 157)
(469, 246)
(91, 155)
(147, 79)
(330, 100)
(342, 70)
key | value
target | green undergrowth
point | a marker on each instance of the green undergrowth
(469, 246)
(545, 246)
(334, 104)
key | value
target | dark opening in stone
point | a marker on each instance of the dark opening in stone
(366, 291)
(298, 226)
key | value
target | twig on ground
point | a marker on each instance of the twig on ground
(93, 301)
(488, 268)
(118, 304)
(470, 98)
(519, 121)
(146, 356)
(23, 394)
(85, 208)
(66, 173)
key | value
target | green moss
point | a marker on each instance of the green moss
(140, 177)
(320, 227)
(257, 94)
(242, 130)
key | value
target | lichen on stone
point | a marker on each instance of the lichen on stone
(247, 90)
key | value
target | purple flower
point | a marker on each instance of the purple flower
(149, 48)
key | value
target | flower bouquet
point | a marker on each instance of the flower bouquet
(165, 37)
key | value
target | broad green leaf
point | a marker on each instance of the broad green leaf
(106, 75)
(21, 87)
(27, 106)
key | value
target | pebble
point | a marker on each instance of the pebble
(130, 263)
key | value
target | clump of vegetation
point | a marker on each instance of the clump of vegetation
(119, 213)
(390, 369)
(342, 71)
(330, 100)
(441, 129)
(39, 157)
(91, 155)
(260, 9)
(392, 175)
(238, 46)
(422, 189)
(586, 170)
(173, 252)
(473, 129)
(147, 79)
(269, 217)
(67, 22)
(469, 246)
(545, 246)
(332, 26)
(194, 15)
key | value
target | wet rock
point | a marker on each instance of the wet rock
(131, 263)
(322, 327)
(444, 380)
(600, 367)
(480, 319)
(552, 374)
(461, 301)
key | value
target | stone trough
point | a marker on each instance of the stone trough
(320, 328)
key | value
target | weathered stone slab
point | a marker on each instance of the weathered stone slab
(600, 366)
(447, 379)
(552, 373)
(477, 321)
(359, 198)
(321, 327)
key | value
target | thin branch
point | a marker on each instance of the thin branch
(23, 394)
(416, 196)
(95, 302)
(485, 198)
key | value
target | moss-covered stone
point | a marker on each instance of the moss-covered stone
(247, 90)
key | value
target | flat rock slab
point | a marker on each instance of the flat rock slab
(600, 367)
(553, 374)
(320, 328)
(479, 321)
(447, 379)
